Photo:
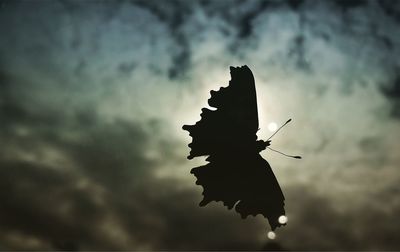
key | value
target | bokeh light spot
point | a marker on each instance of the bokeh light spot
(272, 126)
(271, 235)
(282, 219)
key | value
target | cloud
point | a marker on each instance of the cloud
(63, 170)
(392, 92)
(93, 97)
(354, 229)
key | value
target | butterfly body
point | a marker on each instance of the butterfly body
(235, 174)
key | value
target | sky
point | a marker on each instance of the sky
(93, 95)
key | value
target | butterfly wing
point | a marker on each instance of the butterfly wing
(244, 181)
(236, 174)
(234, 122)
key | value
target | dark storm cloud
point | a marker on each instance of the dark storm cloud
(103, 181)
(93, 96)
(174, 14)
(392, 8)
(315, 210)
(50, 199)
(392, 91)
(297, 52)
(345, 5)
(169, 218)
(238, 13)
(350, 230)
(32, 201)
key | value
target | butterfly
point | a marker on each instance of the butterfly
(235, 172)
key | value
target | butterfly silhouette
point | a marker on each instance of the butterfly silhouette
(235, 174)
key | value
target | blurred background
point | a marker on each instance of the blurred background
(93, 95)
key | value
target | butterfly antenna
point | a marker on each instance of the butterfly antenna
(288, 121)
(297, 157)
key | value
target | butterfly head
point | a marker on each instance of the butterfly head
(262, 145)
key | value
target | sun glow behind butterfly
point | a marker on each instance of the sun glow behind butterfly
(272, 126)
